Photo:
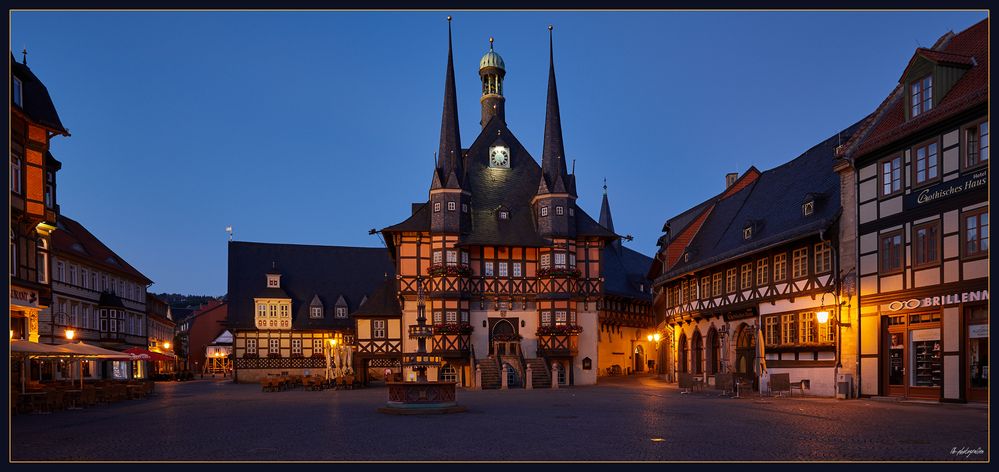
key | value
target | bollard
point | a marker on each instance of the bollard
(503, 378)
(478, 378)
(554, 375)
(528, 380)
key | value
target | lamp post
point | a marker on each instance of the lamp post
(659, 365)
(823, 317)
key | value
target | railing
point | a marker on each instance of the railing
(559, 345)
(280, 362)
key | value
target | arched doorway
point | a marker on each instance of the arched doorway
(639, 358)
(714, 352)
(503, 338)
(698, 353)
(681, 353)
(745, 354)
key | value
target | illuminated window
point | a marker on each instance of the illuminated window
(451, 316)
(452, 257)
(746, 278)
(317, 346)
(296, 346)
(705, 287)
(780, 267)
(274, 346)
(730, 277)
(789, 334)
(546, 318)
(560, 318)
(772, 330)
(437, 257)
(716, 284)
(251, 346)
(807, 330)
(546, 261)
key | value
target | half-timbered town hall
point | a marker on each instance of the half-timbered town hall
(521, 284)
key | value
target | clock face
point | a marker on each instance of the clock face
(499, 156)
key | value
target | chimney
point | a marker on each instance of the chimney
(730, 179)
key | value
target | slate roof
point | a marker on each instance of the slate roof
(383, 302)
(73, 239)
(887, 125)
(624, 270)
(772, 203)
(512, 188)
(37, 103)
(306, 271)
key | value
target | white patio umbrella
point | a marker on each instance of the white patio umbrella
(761, 359)
(328, 368)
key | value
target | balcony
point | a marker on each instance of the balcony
(558, 341)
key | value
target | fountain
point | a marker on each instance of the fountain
(421, 397)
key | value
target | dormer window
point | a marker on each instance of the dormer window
(341, 312)
(273, 280)
(17, 93)
(315, 312)
(504, 215)
(921, 95)
(808, 207)
(686, 257)
(747, 232)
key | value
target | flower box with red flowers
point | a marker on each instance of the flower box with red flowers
(453, 328)
(451, 270)
(554, 272)
(561, 330)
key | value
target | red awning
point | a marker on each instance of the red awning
(148, 355)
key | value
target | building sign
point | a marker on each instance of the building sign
(924, 335)
(926, 302)
(978, 331)
(23, 297)
(964, 184)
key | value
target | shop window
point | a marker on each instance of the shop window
(926, 244)
(891, 176)
(978, 347)
(975, 233)
(977, 144)
(927, 358)
(788, 329)
(890, 249)
(925, 163)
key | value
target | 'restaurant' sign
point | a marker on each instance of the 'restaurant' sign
(952, 299)
(972, 181)
(23, 297)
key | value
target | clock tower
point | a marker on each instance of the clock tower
(491, 71)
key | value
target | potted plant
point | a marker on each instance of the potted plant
(455, 270)
(559, 330)
(552, 272)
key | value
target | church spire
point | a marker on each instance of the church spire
(449, 159)
(605, 217)
(553, 153)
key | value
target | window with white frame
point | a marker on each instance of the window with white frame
(517, 269)
(789, 325)
(546, 318)
(451, 316)
(437, 207)
(378, 328)
(780, 267)
(503, 269)
(43, 260)
(799, 263)
(317, 346)
(296, 346)
(60, 271)
(451, 206)
(808, 208)
(772, 330)
(807, 332)
(561, 317)
(762, 272)
(452, 257)
(315, 311)
(560, 260)
(438, 317)
(438, 257)
(489, 268)
(823, 257)
(341, 312)
(546, 261)
(15, 174)
(544, 211)
(251, 346)
(559, 210)
(273, 346)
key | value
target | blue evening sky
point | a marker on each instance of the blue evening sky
(313, 127)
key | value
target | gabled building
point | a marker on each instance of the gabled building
(33, 206)
(513, 269)
(287, 301)
(915, 179)
(160, 329)
(756, 262)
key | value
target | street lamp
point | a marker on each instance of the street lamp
(166, 345)
(659, 365)
(70, 334)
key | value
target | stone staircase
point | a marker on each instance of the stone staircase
(490, 373)
(540, 375)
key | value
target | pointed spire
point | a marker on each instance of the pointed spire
(605, 212)
(553, 152)
(24, 56)
(449, 156)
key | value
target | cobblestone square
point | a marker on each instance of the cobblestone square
(634, 418)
